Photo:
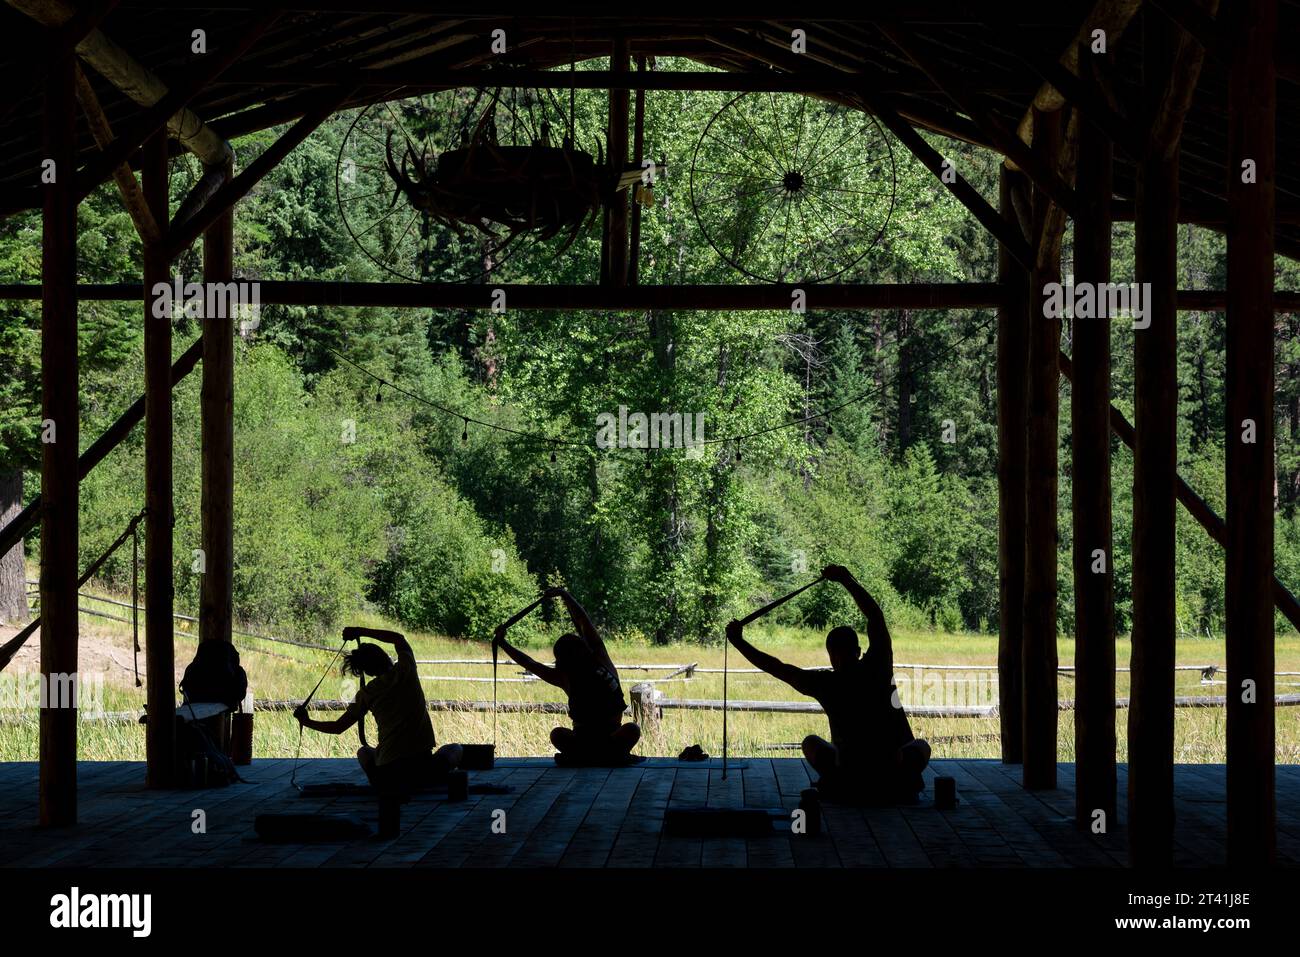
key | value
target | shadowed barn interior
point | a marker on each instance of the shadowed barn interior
(1102, 111)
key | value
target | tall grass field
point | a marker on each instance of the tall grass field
(286, 672)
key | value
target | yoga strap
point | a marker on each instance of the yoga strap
(293, 775)
(780, 601)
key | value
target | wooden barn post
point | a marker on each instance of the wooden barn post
(60, 409)
(616, 219)
(1094, 596)
(1012, 352)
(1155, 344)
(1252, 106)
(217, 433)
(160, 692)
(1042, 409)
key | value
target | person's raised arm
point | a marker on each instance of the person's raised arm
(398, 641)
(586, 628)
(545, 672)
(792, 675)
(877, 630)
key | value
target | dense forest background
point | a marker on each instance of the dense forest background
(451, 535)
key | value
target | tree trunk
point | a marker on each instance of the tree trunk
(13, 578)
(904, 383)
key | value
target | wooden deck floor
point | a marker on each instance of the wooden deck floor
(598, 818)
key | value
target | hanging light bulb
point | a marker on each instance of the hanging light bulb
(464, 435)
(647, 459)
(738, 455)
(379, 393)
(552, 456)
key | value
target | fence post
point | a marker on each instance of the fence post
(644, 710)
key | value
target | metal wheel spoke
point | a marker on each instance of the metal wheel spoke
(735, 149)
(776, 130)
(758, 136)
(733, 199)
(835, 152)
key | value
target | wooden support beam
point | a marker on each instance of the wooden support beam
(111, 437)
(1012, 359)
(160, 692)
(1186, 58)
(1006, 232)
(1214, 215)
(1039, 168)
(1248, 575)
(1151, 717)
(1087, 100)
(616, 211)
(1042, 410)
(638, 151)
(124, 72)
(216, 587)
(60, 410)
(1094, 595)
(127, 185)
(29, 67)
(181, 235)
(1112, 17)
(913, 110)
(1283, 598)
(558, 296)
(133, 133)
(420, 78)
(753, 298)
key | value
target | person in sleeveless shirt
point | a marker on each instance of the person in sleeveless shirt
(404, 758)
(872, 755)
(583, 669)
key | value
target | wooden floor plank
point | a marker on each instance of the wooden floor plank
(601, 817)
(549, 840)
(594, 839)
(690, 789)
(638, 838)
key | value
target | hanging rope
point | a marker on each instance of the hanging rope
(726, 646)
(135, 603)
(11, 647)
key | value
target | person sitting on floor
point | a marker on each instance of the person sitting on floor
(872, 755)
(404, 760)
(596, 705)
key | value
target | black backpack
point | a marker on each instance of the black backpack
(215, 675)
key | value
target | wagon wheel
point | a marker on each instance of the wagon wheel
(412, 244)
(791, 189)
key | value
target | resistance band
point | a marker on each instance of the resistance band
(517, 617)
(752, 616)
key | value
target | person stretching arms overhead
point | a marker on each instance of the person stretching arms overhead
(872, 755)
(586, 673)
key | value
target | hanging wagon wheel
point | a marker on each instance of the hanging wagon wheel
(456, 185)
(787, 188)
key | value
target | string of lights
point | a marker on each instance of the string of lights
(821, 415)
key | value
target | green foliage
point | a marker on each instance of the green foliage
(351, 497)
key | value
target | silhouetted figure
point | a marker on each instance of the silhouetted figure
(404, 760)
(215, 675)
(596, 704)
(872, 755)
